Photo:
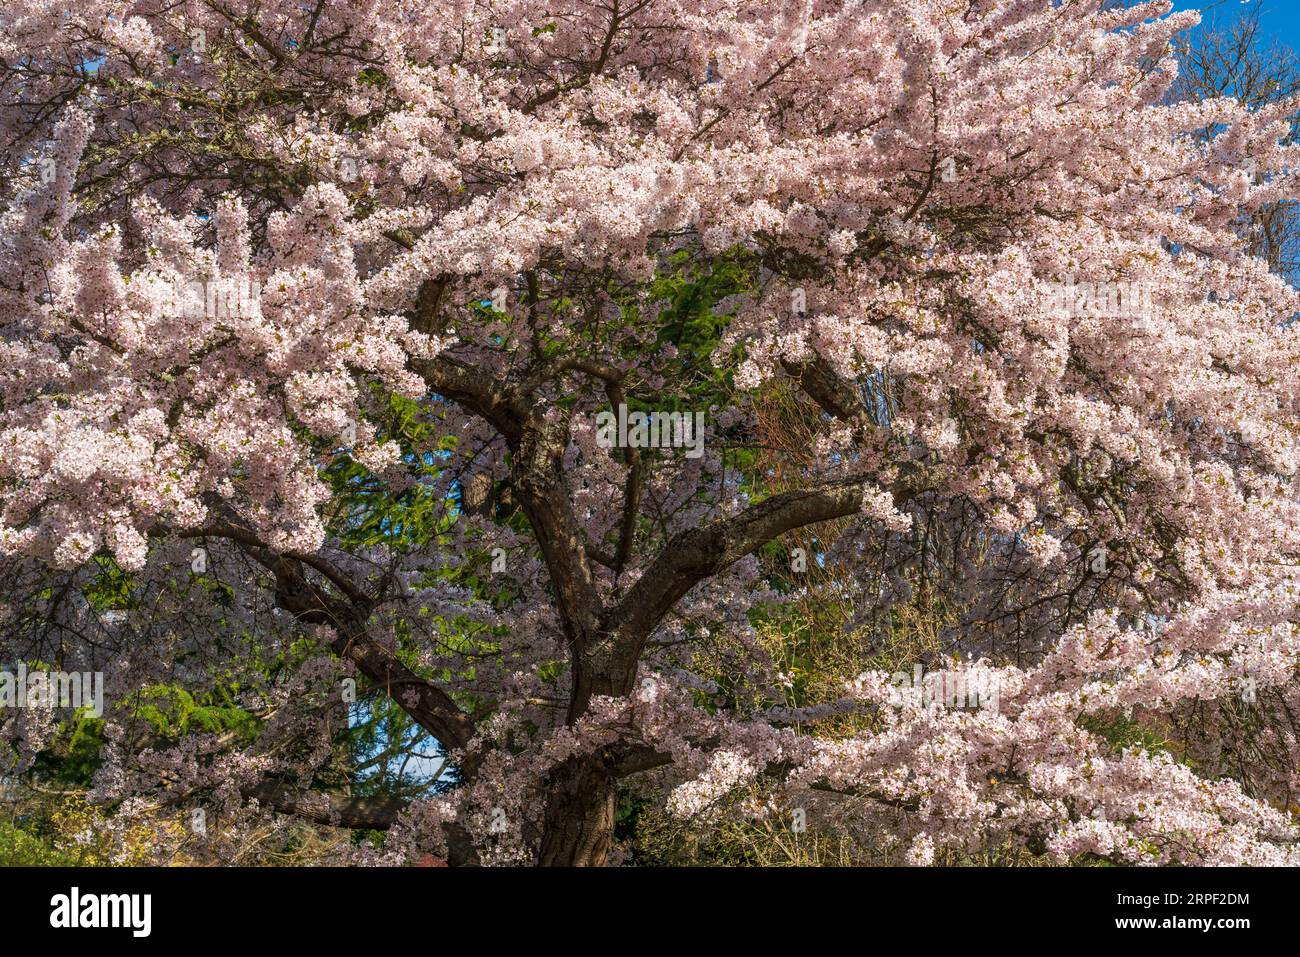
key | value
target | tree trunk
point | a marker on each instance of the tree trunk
(579, 824)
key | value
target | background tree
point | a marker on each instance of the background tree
(1237, 61)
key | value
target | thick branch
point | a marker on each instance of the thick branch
(826, 388)
(537, 473)
(377, 813)
(694, 555)
(431, 707)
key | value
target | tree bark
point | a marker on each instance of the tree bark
(578, 828)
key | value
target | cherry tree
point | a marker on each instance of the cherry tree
(311, 313)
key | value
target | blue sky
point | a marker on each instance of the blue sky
(1281, 18)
